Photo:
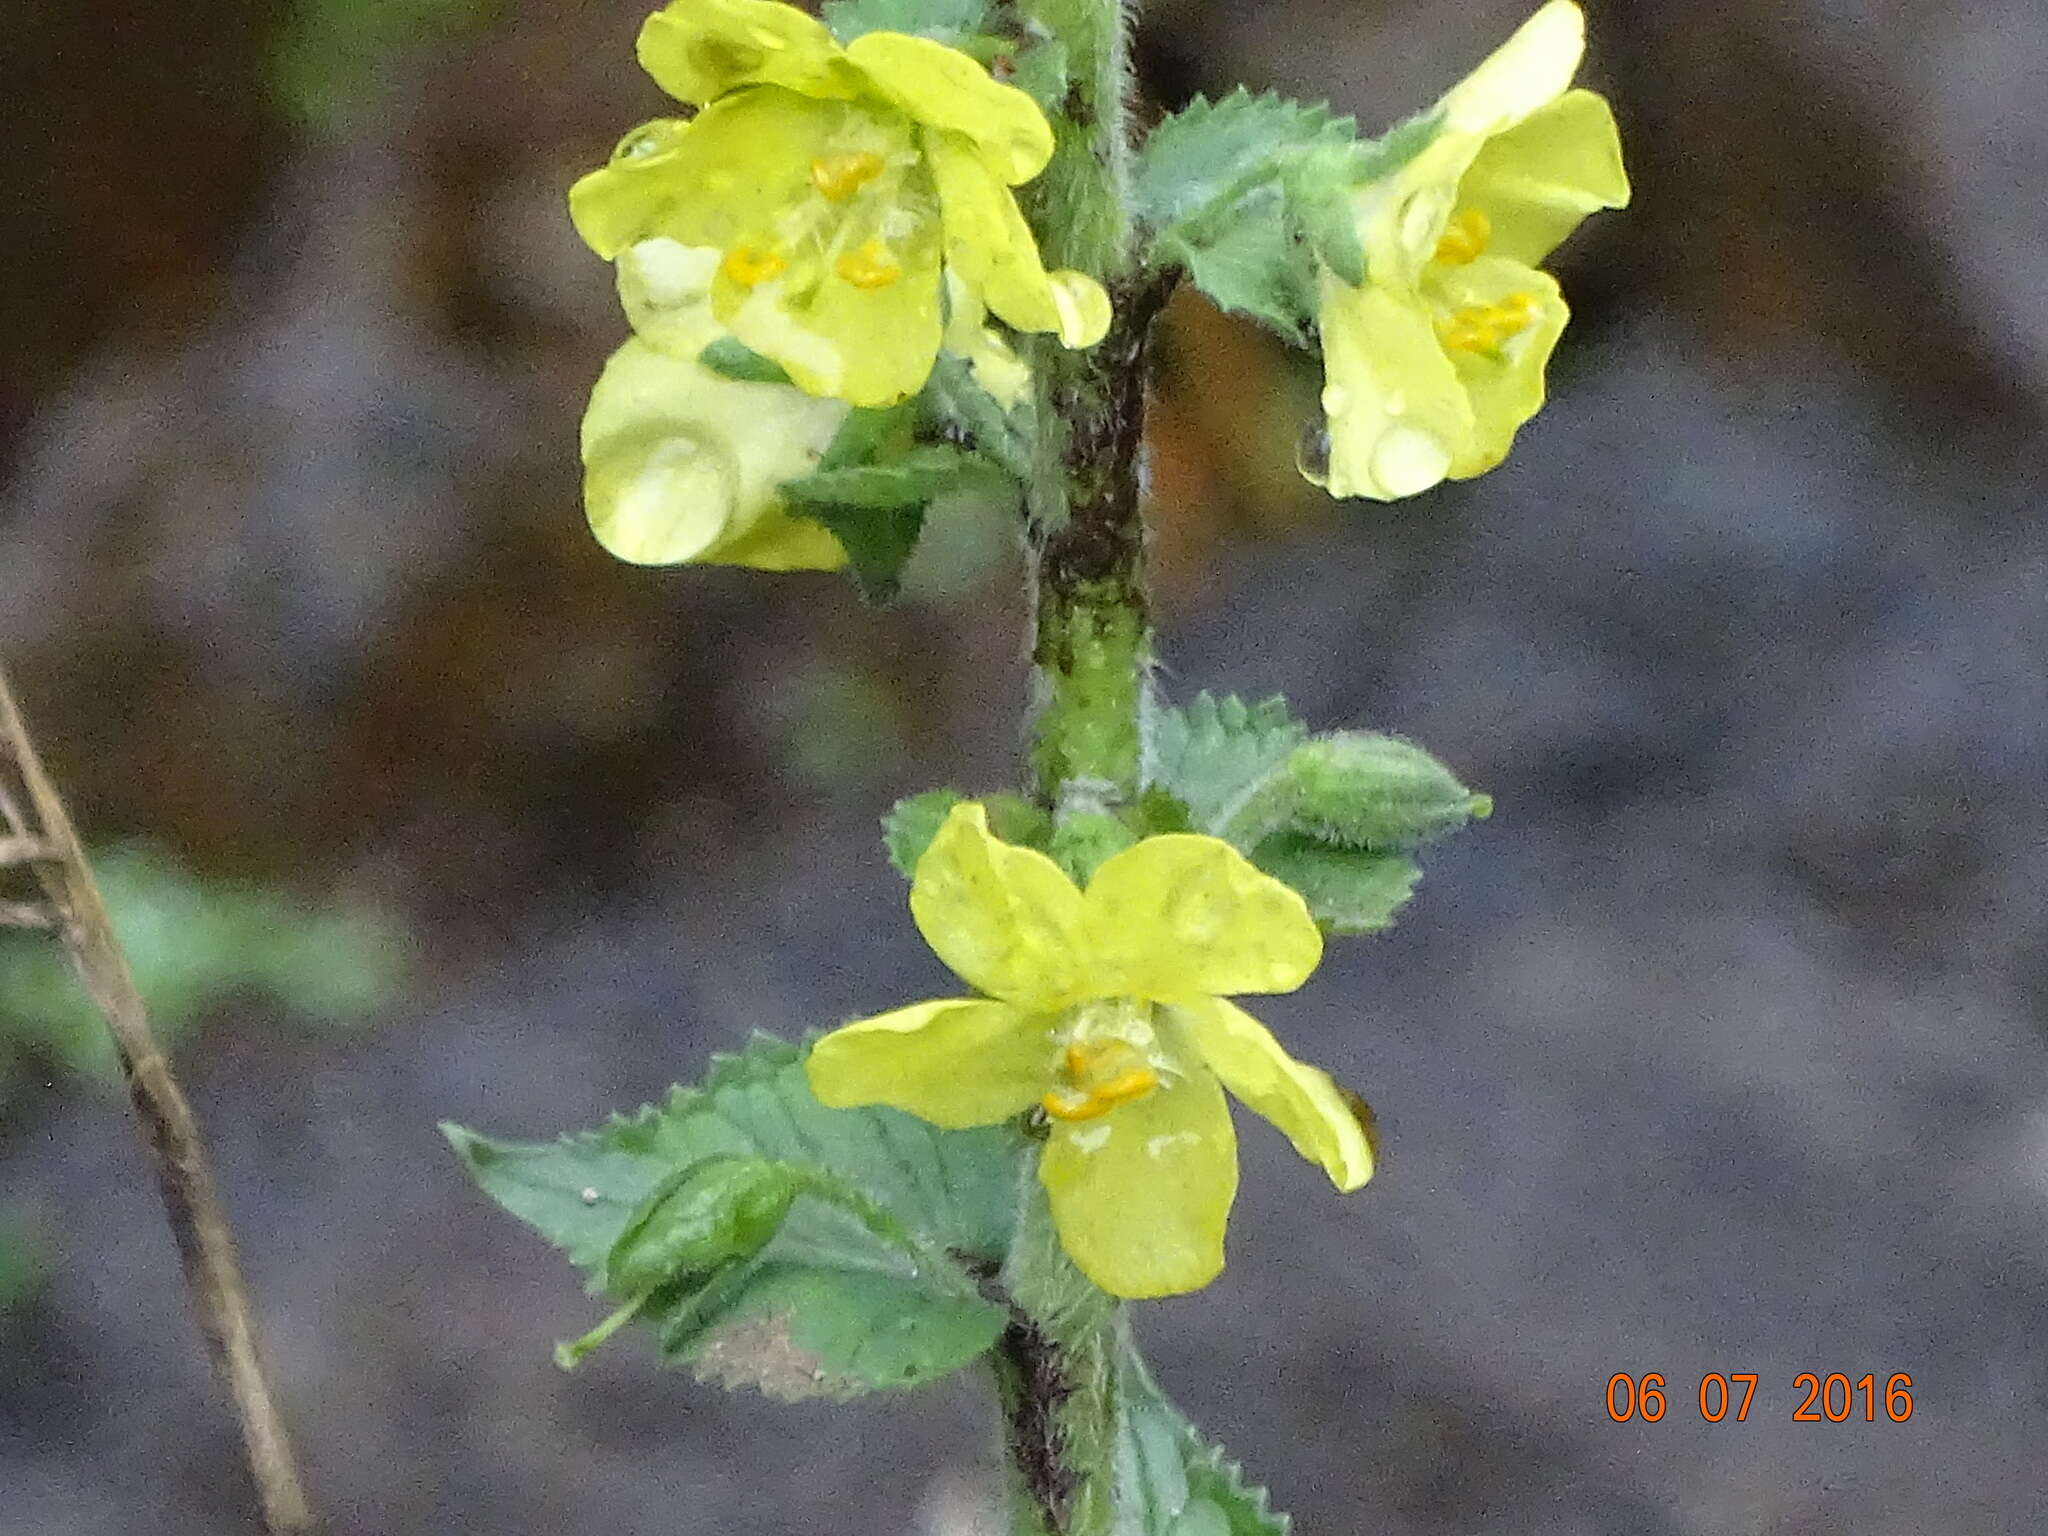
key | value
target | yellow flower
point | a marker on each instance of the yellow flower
(1104, 1009)
(1437, 358)
(837, 184)
(681, 463)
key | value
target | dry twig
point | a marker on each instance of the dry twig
(38, 833)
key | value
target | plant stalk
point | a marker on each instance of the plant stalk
(1056, 1364)
(48, 842)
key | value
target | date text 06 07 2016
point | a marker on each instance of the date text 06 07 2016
(1830, 1399)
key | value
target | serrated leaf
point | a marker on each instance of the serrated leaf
(914, 480)
(1348, 890)
(909, 828)
(828, 1307)
(1397, 146)
(911, 825)
(1318, 197)
(1201, 159)
(1170, 1481)
(960, 406)
(1216, 752)
(736, 360)
(1252, 264)
(946, 21)
(879, 542)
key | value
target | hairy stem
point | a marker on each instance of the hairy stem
(46, 839)
(1056, 1364)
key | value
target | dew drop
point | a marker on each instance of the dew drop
(1422, 218)
(1408, 460)
(589, 1195)
(649, 139)
(1312, 453)
(1335, 399)
(671, 505)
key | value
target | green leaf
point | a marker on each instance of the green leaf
(736, 360)
(958, 405)
(1362, 789)
(1200, 160)
(914, 480)
(1250, 192)
(947, 21)
(911, 825)
(1393, 149)
(1170, 1481)
(1216, 752)
(1082, 841)
(1042, 73)
(194, 942)
(1318, 197)
(1252, 263)
(868, 1282)
(1244, 193)
(1348, 890)
(879, 542)
(877, 509)
(699, 1218)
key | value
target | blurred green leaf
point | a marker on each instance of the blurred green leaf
(947, 21)
(191, 943)
(331, 52)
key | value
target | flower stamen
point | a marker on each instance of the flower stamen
(1099, 1078)
(752, 265)
(1488, 327)
(868, 266)
(1464, 238)
(838, 177)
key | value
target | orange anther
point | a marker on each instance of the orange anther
(838, 177)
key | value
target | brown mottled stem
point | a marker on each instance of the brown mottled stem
(40, 834)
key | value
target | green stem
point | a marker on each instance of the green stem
(1056, 1366)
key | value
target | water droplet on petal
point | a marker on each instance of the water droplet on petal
(650, 139)
(1422, 219)
(1312, 453)
(1335, 399)
(1408, 460)
(669, 506)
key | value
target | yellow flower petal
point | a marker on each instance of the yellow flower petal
(955, 1062)
(681, 463)
(868, 342)
(665, 289)
(1301, 1100)
(1006, 919)
(1140, 1196)
(1398, 414)
(624, 200)
(991, 247)
(698, 50)
(1502, 376)
(1535, 182)
(779, 541)
(1532, 67)
(944, 89)
(1181, 915)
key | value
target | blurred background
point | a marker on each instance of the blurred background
(1719, 1048)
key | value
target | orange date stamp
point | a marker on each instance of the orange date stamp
(1831, 1399)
